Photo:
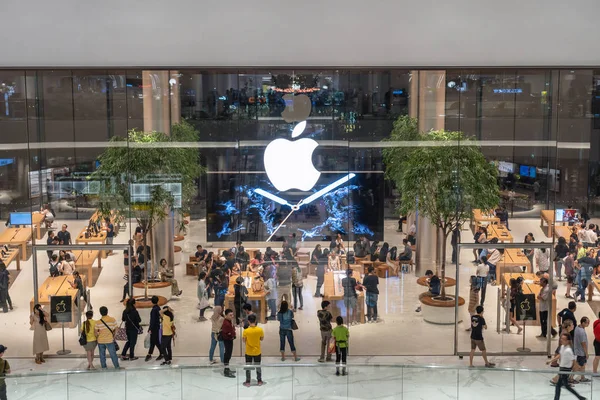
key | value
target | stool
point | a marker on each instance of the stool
(406, 266)
(383, 271)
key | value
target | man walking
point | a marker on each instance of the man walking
(580, 348)
(325, 318)
(477, 326)
(370, 283)
(154, 329)
(105, 331)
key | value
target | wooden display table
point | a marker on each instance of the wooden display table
(480, 216)
(37, 219)
(334, 293)
(13, 255)
(530, 285)
(85, 259)
(564, 231)
(58, 286)
(358, 269)
(511, 259)
(548, 216)
(366, 264)
(259, 297)
(500, 232)
(100, 239)
(17, 237)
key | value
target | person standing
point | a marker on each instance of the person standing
(349, 285)
(240, 297)
(567, 361)
(544, 298)
(217, 324)
(168, 334)
(132, 320)
(202, 294)
(284, 283)
(297, 285)
(105, 331)
(5, 300)
(228, 335)
(271, 294)
(325, 318)
(370, 283)
(4, 369)
(38, 319)
(50, 242)
(320, 271)
(136, 277)
(580, 348)
(64, 236)
(252, 336)
(596, 328)
(89, 328)
(341, 335)
(569, 263)
(154, 329)
(285, 316)
(561, 251)
(477, 326)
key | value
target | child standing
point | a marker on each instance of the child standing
(341, 335)
(252, 337)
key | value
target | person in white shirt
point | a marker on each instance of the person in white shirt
(333, 262)
(567, 358)
(67, 266)
(589, 238)
(482, 273)
(542, 259)
(493, 258)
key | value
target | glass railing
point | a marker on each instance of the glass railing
(300, 381)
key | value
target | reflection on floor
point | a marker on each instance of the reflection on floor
(402, 332)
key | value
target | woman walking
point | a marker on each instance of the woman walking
(89, 328)
(567, 359)
(38, 321)
(297, 285)
(285, 316)
(202, 295)
(132, 320)
(240, 297)
(168, 333)
(217, 323)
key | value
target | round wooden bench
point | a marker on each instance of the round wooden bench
(157, 288)
(424, 281)
(440, 312)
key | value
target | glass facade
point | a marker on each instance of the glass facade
(537, 126)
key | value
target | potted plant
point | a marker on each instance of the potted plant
(443, 177)
(151, 159)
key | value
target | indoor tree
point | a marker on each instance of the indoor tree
(154, 159)
(444, 176)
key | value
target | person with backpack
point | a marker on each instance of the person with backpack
(54, 266)
(285, 316)
(297, 285)
(131, 318)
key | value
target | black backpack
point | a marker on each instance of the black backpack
(393, 253)
(350, 257)
(54, 270)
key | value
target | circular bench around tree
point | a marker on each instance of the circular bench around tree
(438, 311)
(155, 288)
(450, 283)
(144, 306)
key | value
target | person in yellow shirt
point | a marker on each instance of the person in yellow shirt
(168, 332)
(252, 337)
(89, 328)
(105, 332)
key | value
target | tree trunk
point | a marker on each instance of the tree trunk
(144, 237)
(443, 267)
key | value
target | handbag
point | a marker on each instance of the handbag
(294, 325)
(120, 333)
(147, 341)
(47, 326)
(83, 338)
(113, 333)
(331, 346)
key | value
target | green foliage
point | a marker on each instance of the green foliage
(444, 175)
(148, 157)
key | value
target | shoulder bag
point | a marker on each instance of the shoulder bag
(47, 326)
(140, 330)
(294, 324)
(113, 333)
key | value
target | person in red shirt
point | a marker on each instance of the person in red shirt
(228, 334)
(596, 344)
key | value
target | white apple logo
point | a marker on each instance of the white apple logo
(289, 163)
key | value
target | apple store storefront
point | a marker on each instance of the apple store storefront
(387, 173)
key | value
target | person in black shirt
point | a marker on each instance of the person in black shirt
(132, 320)
(136, 272)
(64, 236)
(50, 242)
(561, 251)
(477, 326)
(370, 283)
(200, 253)
(349, 284)
(320, 272)
(242, 258)
(566, 315)
(154, 329)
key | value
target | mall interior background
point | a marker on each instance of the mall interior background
(55, 123)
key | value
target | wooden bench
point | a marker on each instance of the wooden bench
(192, 269)
(158, 288)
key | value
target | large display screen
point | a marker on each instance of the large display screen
(528, 171)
